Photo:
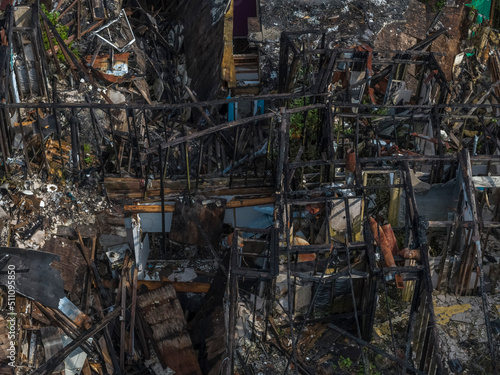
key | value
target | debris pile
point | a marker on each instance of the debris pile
(228, 187)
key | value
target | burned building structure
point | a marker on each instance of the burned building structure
(195, 188)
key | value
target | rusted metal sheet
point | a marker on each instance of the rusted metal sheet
(112, 71)
(384, 243)
(163, 312)
(389, 234)
(350, 161)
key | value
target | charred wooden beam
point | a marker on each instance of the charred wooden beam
(132, 209)
(212, 130)
(422, 242)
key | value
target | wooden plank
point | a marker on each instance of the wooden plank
(137, 208)
(134, 280)
(239, 186)
(123, 321)
(228, 72)
(180, 287)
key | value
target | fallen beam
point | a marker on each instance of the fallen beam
(212, 130)
(49, 366)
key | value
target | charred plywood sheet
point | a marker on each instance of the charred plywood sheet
(163, 313)
(193, 216)
(35, 278)
(71, 264)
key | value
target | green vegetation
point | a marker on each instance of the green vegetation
(87, 150)
(381, 111)
(440, 4)
(345, 363)
(309, 119)
(63, 32)
(371, 371)
(347, 131)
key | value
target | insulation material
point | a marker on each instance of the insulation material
(338, 223)
(52, 343)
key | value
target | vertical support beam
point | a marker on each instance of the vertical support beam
(371, 305)
(421, 239)
(25, 147)
(113, 143)
(395, 198)
(134, 274)
(412, 319)
(52, 49)
(75, 150)
(162, 197)
(465, 163)
(283, 222)
(283, 64)
(123, 317)
(232, 305)
(4, 145)
(329, 130)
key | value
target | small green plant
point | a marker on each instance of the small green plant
(347, 130)
(62, 30)
(381, 111)
(345, 363)
(86, 148)
(439, 5)
(88, 160)
(372, 370)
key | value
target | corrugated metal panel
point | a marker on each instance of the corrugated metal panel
(163, 312)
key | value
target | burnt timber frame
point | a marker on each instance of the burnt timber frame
(218, 157)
